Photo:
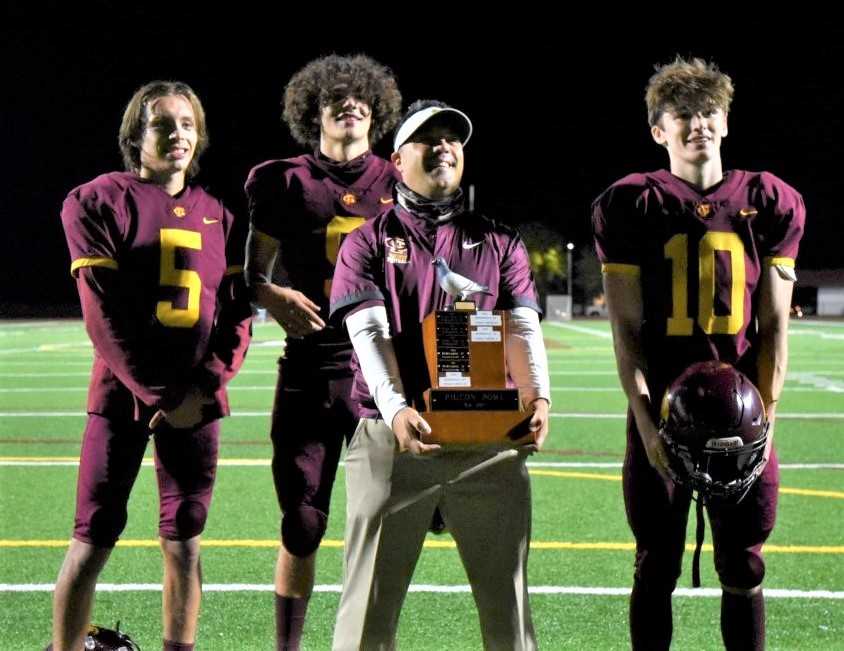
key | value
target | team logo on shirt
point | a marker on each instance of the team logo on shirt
(179, 211)
(704, 210)
(349, 199)
(747, 213)
(396, 250)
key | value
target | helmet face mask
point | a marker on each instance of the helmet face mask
(715, 471)
(105, 639)
(715, 431)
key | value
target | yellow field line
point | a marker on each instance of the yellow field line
(429, 544)
(146, 460)
(601, 546)
(573, 475)
(807, 492)
(44, 459)
(802, 549)
(812, 493)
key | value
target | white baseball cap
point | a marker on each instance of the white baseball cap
(414, 122)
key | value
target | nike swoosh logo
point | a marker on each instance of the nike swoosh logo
(747, 212)
(470, 245)
(385, 200)
(205, 220)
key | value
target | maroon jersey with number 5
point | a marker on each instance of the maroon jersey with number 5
(160, 279)
(699, 256)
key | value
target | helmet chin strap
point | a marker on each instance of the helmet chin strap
(700, 525)
(700, 529)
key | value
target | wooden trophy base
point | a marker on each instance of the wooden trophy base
(476, 426)
(469, 402)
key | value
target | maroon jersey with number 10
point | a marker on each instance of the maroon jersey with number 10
(699, 256)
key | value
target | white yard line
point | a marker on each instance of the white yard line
(770, 593)
(818, 381)
(575, 415)
(820, 385)
(13, 461)
(603, 334)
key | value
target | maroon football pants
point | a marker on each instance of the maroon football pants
(312, 414)
(112, 451)
(658, 512)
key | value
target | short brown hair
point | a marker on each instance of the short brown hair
(322, 82)
(687, 84)
(135, 121)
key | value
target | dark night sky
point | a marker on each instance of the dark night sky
(558, 116)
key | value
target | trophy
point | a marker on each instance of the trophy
(469, 401)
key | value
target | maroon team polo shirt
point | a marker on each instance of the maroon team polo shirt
(389, 261)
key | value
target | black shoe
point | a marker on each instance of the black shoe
(438, 525)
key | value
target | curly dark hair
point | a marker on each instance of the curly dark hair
(135, 121)
(329, 78)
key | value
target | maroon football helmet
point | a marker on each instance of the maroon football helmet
(715, 429)
(106, 639)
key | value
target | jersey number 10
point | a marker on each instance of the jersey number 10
(676, 250)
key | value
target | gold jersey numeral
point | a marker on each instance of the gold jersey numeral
(676, 250)
(727, 324)
(335, 231)
(170, 276)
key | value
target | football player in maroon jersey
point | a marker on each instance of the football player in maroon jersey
(301, 208)
(158, 265)
(698, 264)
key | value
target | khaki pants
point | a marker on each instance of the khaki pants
(484, 497)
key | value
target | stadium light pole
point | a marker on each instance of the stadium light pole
(569, 266)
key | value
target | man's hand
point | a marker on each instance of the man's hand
(538, 424)
(186, 414)
(769, 444)
(655, 449)
(294, 311)
(407, 426)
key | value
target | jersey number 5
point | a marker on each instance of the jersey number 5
(676, 250)
(170, 276)
(335, 231)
